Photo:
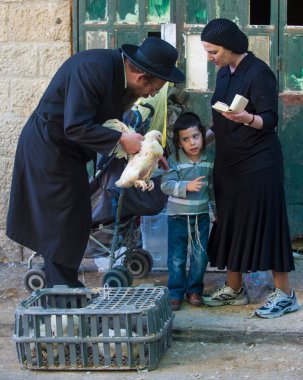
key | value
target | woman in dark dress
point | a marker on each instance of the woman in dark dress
(252, 232)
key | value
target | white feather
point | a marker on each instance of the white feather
(112, 346)
(42, 334)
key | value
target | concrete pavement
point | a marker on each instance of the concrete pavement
(208, 324)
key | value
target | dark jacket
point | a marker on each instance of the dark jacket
(50, 209)
(241, 148)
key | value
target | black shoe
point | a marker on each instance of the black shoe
(175, 304)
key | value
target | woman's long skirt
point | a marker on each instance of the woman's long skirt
(252, 232)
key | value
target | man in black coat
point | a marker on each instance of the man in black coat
(50, 208)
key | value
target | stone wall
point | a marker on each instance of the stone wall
(35, 38)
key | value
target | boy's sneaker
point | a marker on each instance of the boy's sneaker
(225, 295)
(278, 303)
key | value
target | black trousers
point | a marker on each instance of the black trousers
(56, 274)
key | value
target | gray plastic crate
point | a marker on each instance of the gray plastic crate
(93, 329)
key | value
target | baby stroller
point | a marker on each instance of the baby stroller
(116, 213)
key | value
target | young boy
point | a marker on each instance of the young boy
(188, 183)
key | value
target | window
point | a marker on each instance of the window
(259, 12)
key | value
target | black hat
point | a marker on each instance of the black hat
(224, 32)
(156, 57)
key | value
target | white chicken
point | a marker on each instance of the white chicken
(141, 165)
(112, 346)
(54, 332)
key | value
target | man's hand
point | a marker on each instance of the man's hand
(195, 185)
(131, 142)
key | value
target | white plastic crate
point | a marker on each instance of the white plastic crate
(93, 329)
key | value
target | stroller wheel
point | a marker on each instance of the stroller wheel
(144, 252)
(34, 279)
(127, 273)
(138, 264)
(115, 278)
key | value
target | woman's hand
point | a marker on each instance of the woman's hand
(195, 185)
(244, 117)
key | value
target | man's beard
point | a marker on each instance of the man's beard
(128, 99)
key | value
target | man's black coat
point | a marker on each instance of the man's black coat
(50, 208)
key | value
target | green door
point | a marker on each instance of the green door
(291, 107)
(111, 23)
(261, 31)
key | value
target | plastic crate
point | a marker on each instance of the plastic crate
(93, 329)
